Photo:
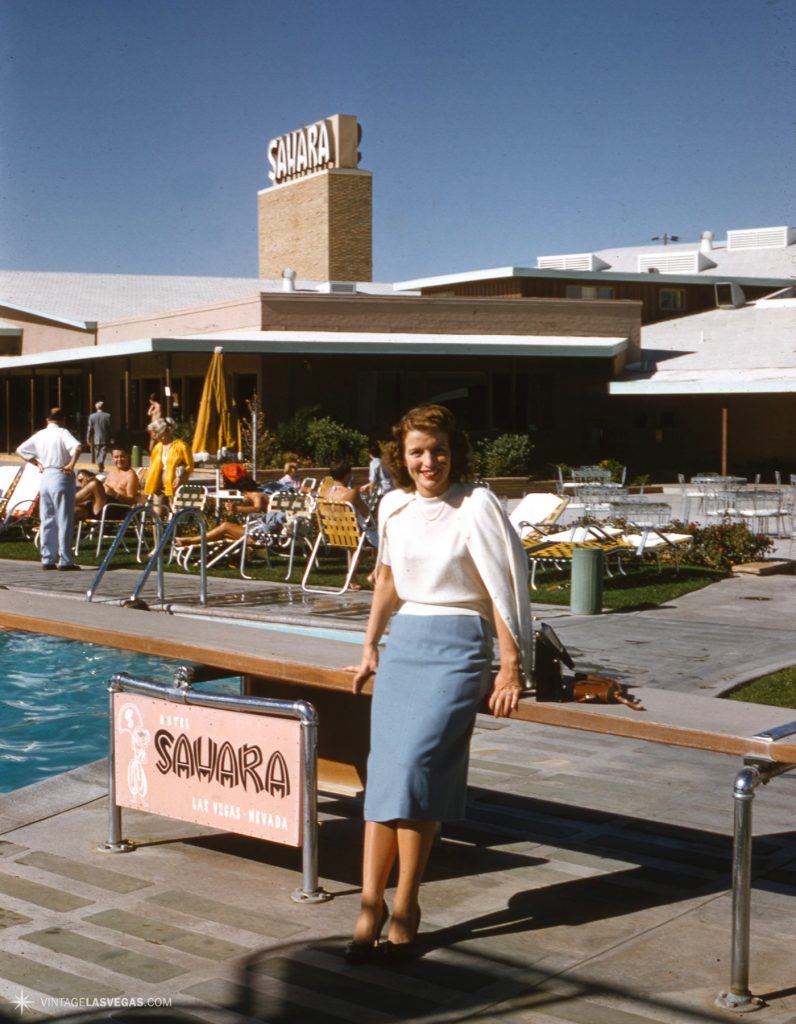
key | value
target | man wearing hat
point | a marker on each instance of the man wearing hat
(99, 434)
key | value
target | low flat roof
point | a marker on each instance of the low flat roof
(749, 350)
(338, 343)
(500, 273)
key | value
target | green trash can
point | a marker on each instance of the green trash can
(135, 457)
(586, 595)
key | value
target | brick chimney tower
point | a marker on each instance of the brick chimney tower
(317, 216)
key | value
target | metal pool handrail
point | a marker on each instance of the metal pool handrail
(138, 511)
(156, 558)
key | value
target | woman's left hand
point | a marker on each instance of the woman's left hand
(506, 690)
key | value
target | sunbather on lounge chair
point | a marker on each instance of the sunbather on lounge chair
(228, 529)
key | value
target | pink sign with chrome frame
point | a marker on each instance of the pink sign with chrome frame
(228, 769)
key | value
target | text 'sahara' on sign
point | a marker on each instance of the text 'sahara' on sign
(227, 769)
(317, 147)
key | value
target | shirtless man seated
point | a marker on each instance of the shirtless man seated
(121, 484)
(120, 487)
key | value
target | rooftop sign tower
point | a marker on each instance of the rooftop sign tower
(317, 216)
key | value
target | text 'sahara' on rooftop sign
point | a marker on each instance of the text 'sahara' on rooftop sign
(327, 144)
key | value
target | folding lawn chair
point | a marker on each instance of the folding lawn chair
(339, 529)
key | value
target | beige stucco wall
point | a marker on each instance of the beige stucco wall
(235, 315)
(41, 335)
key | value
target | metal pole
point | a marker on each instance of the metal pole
(310, 893)
(127, 401)
(746, 783)
(254, 407)
(739, 997)
(724, 439)
(115, 843)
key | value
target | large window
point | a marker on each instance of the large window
(671, 300)
(590, 291)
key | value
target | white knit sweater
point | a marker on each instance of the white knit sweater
(458, 553)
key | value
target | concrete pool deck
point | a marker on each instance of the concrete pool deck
(589, 882)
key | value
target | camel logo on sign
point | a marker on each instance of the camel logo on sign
(130, 723)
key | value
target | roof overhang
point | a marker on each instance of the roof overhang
(502, 273)
(83, 325)
(339, 343)
(717, 383)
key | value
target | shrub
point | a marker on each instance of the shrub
(292, 433)
(330, 441)
(615, 467)
(506, 455)
(724, 545)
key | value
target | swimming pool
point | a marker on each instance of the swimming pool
(346, 636)
(54, 702)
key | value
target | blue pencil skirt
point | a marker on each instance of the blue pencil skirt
(433, 674)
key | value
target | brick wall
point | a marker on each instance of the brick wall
(320, 226)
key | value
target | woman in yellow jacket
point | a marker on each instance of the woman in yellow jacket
(170, 462)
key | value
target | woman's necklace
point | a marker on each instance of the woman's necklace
(430, 508)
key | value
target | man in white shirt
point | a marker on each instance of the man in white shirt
(55, 452)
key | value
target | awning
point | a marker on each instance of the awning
(338, 343)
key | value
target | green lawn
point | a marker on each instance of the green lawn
(778, 689)
(643, 586)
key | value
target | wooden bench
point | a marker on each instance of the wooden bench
(280, 664)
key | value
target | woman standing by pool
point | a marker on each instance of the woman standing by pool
(453, 569)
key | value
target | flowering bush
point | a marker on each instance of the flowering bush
(723, 546)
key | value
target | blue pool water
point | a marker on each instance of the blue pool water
(346, 636)
(54, 702)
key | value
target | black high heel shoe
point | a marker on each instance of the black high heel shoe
(366, 952)
(393, 953)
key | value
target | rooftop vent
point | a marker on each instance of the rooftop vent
(576, 261)
(706, 242)
(339, 287)
(729, 295)
(761, 238)
(675, 262)
(288, 280)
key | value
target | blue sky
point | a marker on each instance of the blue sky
(133, 133)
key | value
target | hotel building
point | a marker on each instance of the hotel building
(669, 357)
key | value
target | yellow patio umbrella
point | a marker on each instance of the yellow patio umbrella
(217, 424)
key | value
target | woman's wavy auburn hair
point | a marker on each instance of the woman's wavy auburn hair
(430, 419)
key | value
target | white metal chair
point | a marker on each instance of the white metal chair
(285, 538)
(761, 507)
(102, 526)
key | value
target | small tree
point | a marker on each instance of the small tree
(254, 434)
